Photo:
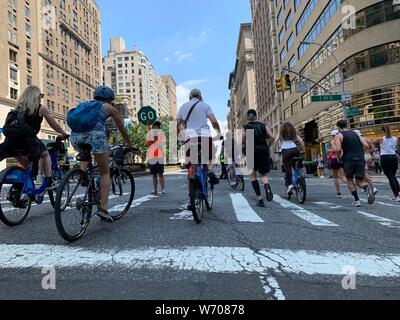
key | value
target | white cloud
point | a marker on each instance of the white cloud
(185, 56)
(202, 37)
(167, 59)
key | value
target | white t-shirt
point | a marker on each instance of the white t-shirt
(388, 147)
(198, 122)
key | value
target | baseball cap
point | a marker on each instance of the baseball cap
(358, 132)
(334, 133)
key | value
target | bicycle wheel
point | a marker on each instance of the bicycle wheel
(301, 190)
(232, 179)
(58, 176)
(74, 221)
(124, 193)
(241, 183)
(196, 202)
(13, 209)
(210, 196)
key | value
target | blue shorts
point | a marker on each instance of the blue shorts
(97, 139)
(156, 168)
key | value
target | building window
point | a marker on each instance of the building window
(282, 55)
(309, 9)
(29, 64)
(280, 16)
(13, 74)
(292, 62)
(288, 20)
(13, 94)
(13, 56)
(290, 42)
(29, 80)
(281, 35)
(28, 30)
(286, 113)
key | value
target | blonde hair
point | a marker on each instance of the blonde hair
(29, 100)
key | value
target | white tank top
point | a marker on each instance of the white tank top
(287, 144)
(388, 147)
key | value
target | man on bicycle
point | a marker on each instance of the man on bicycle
(97, 138)
(197, 135)
(262, 135)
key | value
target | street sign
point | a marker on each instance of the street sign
(326, 98)
(147, 116)
(353, 112)
(347, 96)
(302, 86)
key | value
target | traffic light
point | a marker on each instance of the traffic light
(280, 84)
(288, 83)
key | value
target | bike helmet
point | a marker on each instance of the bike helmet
(104, 93)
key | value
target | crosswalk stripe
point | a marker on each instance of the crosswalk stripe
(328, 205)
(202, 259)
(304, 214)
(243, 210)
(382, 221)
(271, 287)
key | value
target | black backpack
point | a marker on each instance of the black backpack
(260, 132)
(16, 126)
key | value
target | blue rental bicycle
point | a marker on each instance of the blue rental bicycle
(234, 180)
(18, 190)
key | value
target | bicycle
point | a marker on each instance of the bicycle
(20, 191)
(235, 181)
(298, 180)
(73, 222)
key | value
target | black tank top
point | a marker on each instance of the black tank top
(260, 134)
(35, 121)
(352, 147)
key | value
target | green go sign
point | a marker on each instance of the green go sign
(147, 116)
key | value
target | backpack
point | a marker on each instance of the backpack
(84, 117)
(16, 126)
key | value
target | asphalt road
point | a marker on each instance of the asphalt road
(239, 252)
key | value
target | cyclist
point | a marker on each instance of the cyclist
(192, 123)
(224, 173)
(336, 166)
(350, 148)
(262, 135)
(97, 138)
(30, 146)
(368, 157)
(389, 160)
(288, 140)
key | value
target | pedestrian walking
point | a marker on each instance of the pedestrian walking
(389, 160)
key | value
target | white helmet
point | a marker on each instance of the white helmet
(334, 133)
(358, 132)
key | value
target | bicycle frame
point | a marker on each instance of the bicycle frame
(200, 174)
(296, 174)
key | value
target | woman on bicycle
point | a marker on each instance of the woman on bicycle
(288, 140)
(97, 138)
(31, 146)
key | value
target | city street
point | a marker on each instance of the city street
(239, 252)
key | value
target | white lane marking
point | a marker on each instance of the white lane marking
(382, 221)
(183, 215)
(304, 214)
(202, 259)
(135, 203)
(328, 205)
(377, 202)
(243, 211)
(271, 287)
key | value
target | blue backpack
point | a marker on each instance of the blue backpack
(84, 117)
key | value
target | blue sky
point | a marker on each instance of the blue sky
(194, 40)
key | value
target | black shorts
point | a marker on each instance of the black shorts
(30, 148)
(354, 169)
(205, 150)
(157, 168)
(336, 164)
(262, 161)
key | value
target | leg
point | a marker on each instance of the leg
(162, 181)
(335, 174)
(103, 161)
(154, 183)
(46, 164)
(256, 187)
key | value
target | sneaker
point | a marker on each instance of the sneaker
(268, 192)
(104, 215)
(213, 178)
(163, 192)
(339, 196)
(397, 199)
(154, 192)
(290, 190)
(371, 196)
(260, 204)
(376, 191)
(357, 204)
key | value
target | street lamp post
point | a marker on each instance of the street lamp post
(342, 79)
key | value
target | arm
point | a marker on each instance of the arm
(215, 123)
(271, 135)
(44, 112)
(113, 112)
(302, 144)
(337, 144)
(380, 141)
(364, 143)
(278, 137)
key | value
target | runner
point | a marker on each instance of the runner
(336, 167)
(350, 149)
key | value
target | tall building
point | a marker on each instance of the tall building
(129, 72)
(70, 66)
(367, 54)
(163, 103)
(52, 44)
(266, 61)
(242, 80)
(170, 86)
